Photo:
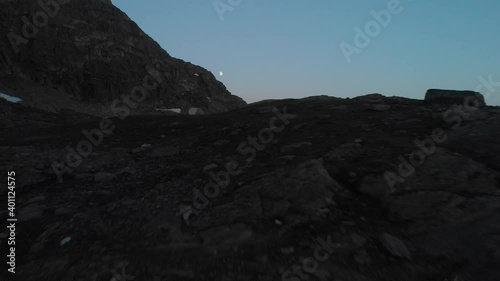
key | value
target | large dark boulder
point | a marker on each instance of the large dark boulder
(89, 51)
(448, 97)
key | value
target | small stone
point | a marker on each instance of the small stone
(37, 247)
(210, 167)
(30, 212)
(36, 199)
(395, 246)
(65, 241)
(288, 157)
(222, 143)
(300, 126)
(104, 177)
(358, 239)
(288, 250)
(236, 132)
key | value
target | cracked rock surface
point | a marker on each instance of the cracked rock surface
(225, 197)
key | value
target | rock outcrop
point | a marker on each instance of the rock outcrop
(338, 191)
(466, 98)
(79, 53)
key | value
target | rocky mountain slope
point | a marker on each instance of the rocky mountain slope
(322, 188)
(84, 54)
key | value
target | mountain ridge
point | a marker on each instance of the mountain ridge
(95, 56)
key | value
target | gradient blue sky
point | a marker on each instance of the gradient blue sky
(291, 48)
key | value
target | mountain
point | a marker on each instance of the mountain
(84, 54)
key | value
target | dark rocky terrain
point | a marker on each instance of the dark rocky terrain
(84, 54)
(373, 188)
(144, 204)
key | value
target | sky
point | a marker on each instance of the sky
(276, 49)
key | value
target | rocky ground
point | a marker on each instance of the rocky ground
(333, 189)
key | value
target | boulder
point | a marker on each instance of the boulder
(448, 97)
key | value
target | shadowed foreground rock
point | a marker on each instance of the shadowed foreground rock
(223, 197)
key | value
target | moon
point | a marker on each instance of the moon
(221, 73)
